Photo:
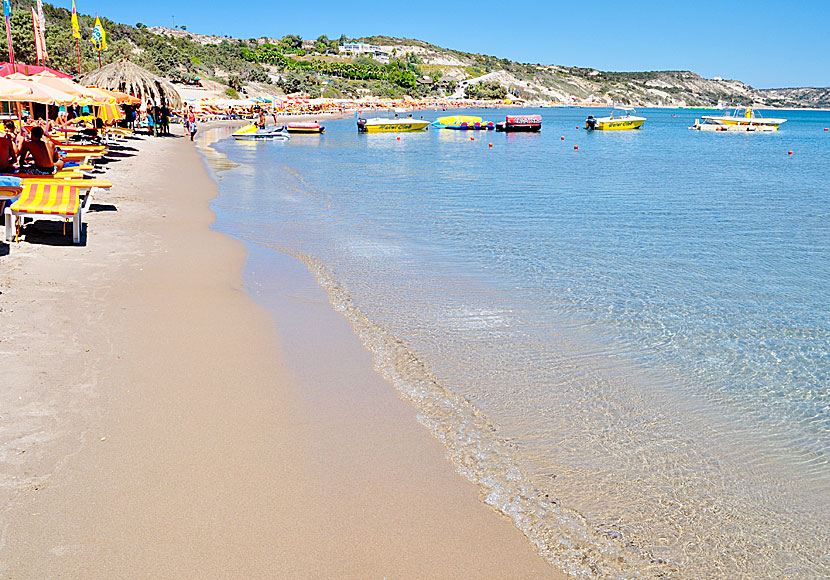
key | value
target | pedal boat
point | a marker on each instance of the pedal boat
(620, 119)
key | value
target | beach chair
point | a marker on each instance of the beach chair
(41, 200)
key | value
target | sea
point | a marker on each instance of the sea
(623, 338)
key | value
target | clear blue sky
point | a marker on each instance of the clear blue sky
(766, 44)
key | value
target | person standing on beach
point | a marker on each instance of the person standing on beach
(165, 119)
(191, 122)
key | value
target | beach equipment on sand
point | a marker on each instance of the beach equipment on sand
(45, 200)
(253, 133)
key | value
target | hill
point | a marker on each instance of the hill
(391, 67)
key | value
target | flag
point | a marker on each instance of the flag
(7, 11)
(42, 21)
(39, 52)
(99, 37)
(76, 30)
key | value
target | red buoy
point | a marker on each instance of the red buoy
(562, 138)
(491, 145)
(399, 138)
(827, 128)
(472, 138)
(790, 153)
(576, 147)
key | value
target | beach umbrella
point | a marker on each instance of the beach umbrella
(130, 78)
(27, 91)
(42, 93)
(110, 113)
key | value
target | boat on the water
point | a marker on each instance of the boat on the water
(742, 119)
(520, 123)
(620, 119)
(305, 128)
(463, 123)
(384, 125)
(253, 133)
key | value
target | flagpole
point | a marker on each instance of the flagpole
(9, 38)
(78, 41)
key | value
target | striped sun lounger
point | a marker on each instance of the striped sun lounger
(46, 201)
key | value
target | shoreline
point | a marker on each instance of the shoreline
(168, 427)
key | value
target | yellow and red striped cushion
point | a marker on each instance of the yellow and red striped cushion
(48, 198)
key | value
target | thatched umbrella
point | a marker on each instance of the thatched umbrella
(130, 78)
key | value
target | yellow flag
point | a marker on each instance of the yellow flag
(99, 37)
(76, 30)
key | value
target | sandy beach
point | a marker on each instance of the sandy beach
(156, 422)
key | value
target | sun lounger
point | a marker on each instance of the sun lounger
(47, 201)
(9, 193)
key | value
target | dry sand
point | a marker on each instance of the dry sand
(156, 422)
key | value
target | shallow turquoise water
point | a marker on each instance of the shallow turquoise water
(626, 345)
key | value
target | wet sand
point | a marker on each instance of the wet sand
(156, 422)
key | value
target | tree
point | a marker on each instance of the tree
(486, 90)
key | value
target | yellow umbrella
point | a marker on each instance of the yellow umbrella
(110, 113)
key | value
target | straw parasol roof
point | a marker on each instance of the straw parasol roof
(130, 78)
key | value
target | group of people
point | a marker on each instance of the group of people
(16, 150)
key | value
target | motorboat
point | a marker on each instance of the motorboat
(305, 128)
(520, 124)
(385, 125)
(253, 133)
(620, 119)
(463, 123)
(741, 119)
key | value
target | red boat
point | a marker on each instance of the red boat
(520, 123)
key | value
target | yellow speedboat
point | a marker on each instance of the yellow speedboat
(381, 125)
(620, 119)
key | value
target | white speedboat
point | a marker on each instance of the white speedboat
(253, 133)
(620, 119)
(741, 119)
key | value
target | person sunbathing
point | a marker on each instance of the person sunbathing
(7, 154)
(15, 137)
(44, 154)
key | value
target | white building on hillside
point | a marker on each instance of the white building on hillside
(363, 49)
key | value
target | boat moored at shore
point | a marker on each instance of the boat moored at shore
(743, 119)
(253, 133)
(463, 123)
(520, 124)
(305, 128)
(620, 119)
(383, 125)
